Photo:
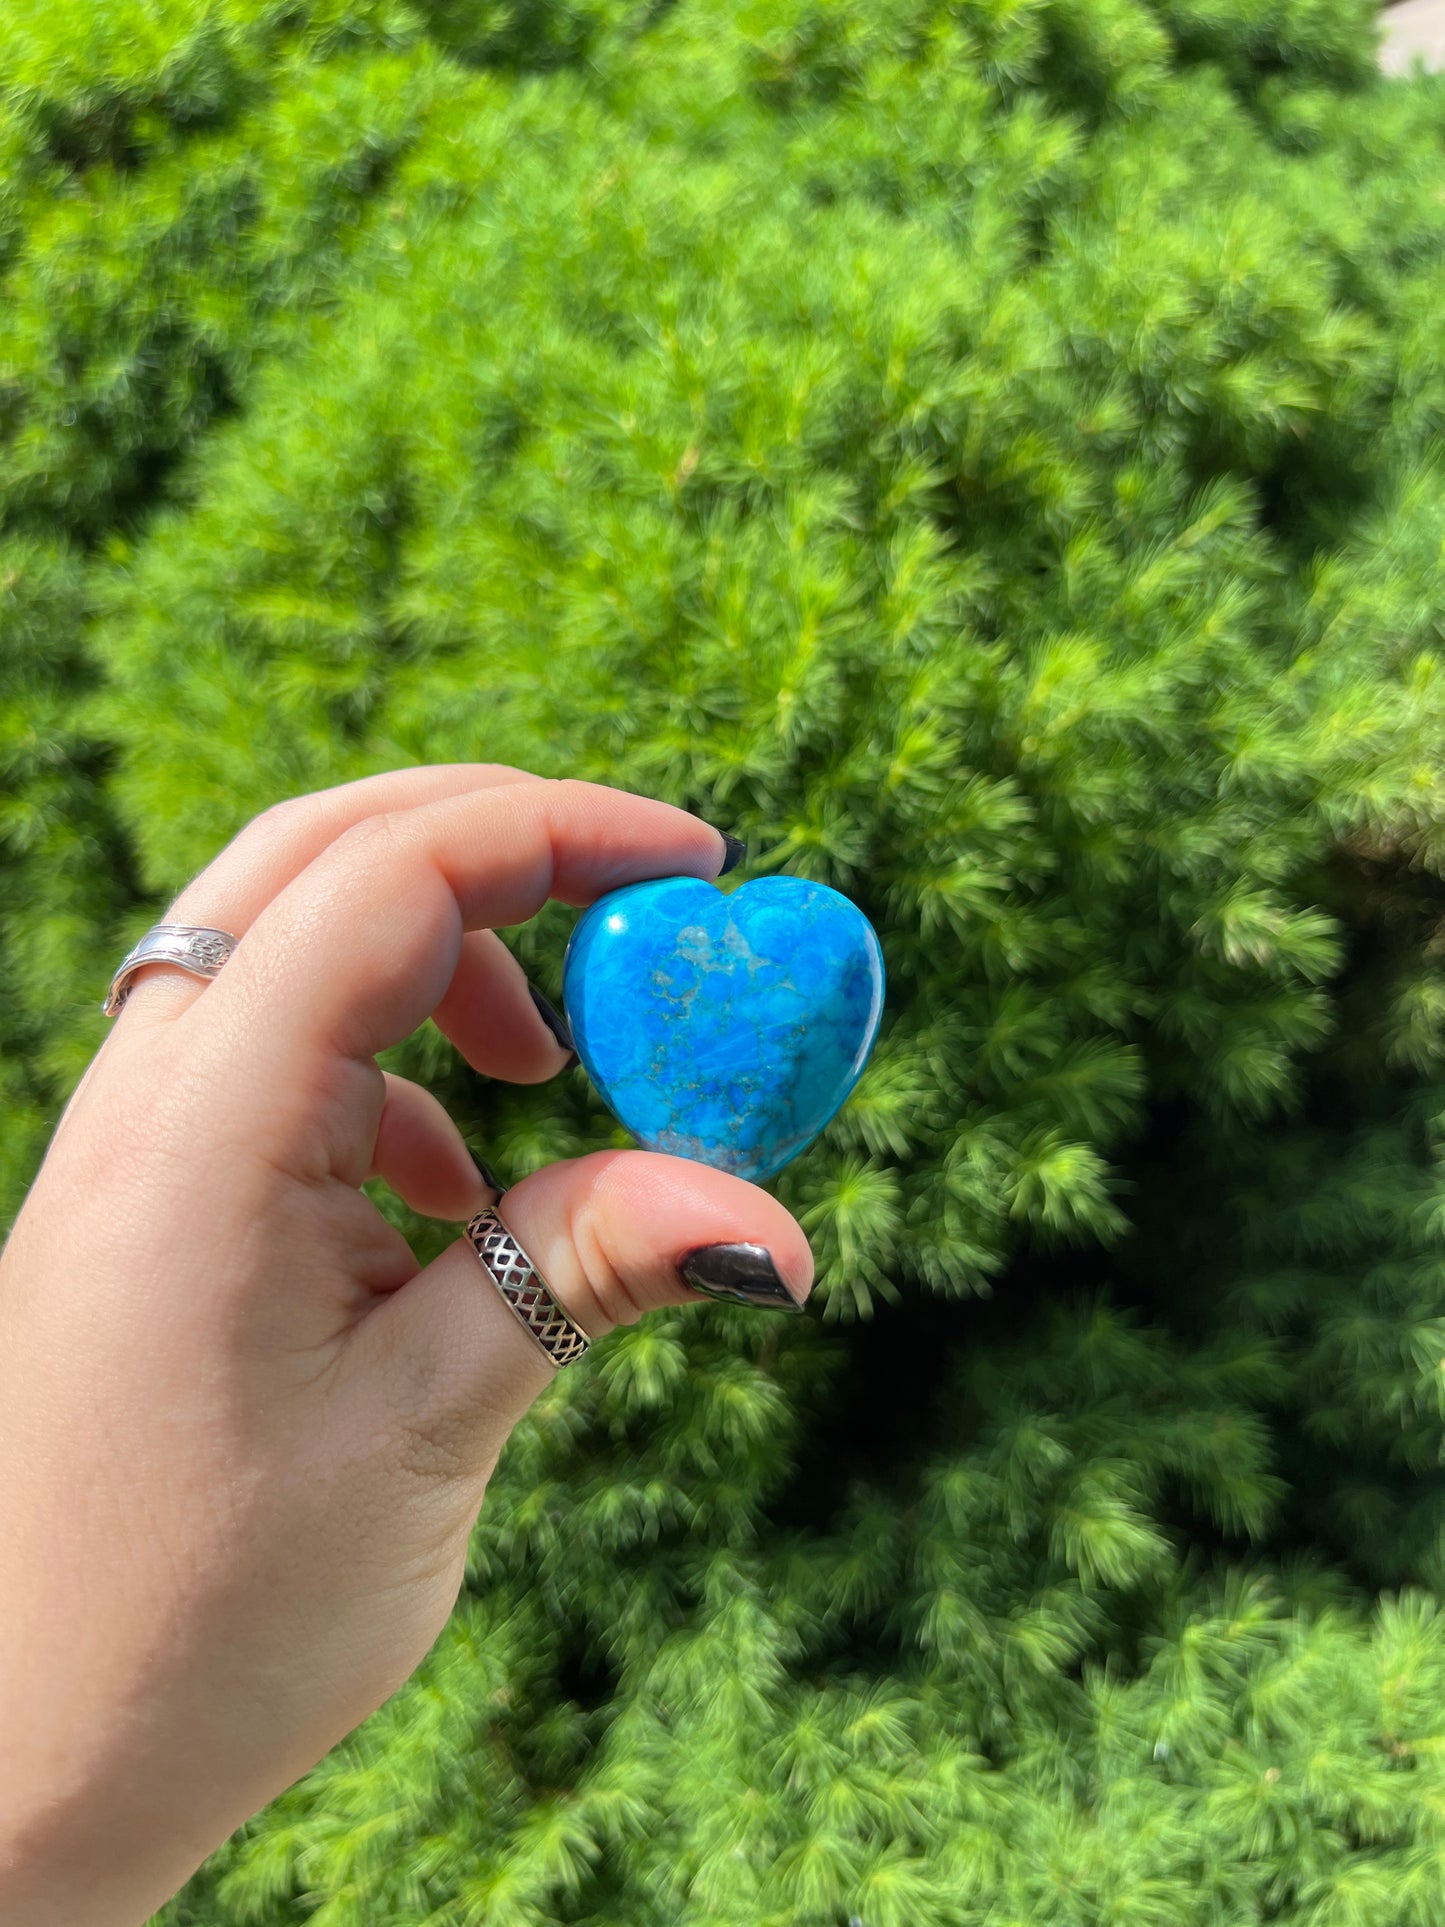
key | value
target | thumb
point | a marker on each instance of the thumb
(607, 1233)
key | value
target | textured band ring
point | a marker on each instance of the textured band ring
(190, 946)
(525, 1290)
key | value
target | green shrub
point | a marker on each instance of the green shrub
(989, 456)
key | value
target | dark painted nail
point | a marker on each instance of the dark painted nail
(740, 1274)
(736, 851)
(489, 1176)
(553, 1019)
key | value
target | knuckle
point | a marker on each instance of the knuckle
(274, 825)
(438, 1450)
(606, 1284)
(441, 1443)
(280, 815)
(422, 1434)
(267, 831)
(369, 832)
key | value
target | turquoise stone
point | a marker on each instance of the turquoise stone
(726, 1027)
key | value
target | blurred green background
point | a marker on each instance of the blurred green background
(989, 456)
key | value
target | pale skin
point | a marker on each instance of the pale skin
(244, 1434)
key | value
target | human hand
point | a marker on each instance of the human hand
(245, 1435)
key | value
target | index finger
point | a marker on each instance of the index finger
(358, 949)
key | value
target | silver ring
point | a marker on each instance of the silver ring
(525, 1289)
(190, 946)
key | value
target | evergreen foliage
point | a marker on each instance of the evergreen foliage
(989, 456)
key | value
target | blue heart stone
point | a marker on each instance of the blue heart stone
(724, 1027)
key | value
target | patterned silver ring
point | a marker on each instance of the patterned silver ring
(190, 946)
(525, 1290)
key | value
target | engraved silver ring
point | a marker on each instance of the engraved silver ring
(189, 946)
(525, 1290)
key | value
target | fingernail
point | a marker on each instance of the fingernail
(553, 1019)
(489, 1176)
(740, 1274)
(736, 851)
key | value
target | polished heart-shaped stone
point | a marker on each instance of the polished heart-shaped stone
(726, 1027)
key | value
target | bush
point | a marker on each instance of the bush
(989, 456)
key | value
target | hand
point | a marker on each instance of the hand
(245, 1436)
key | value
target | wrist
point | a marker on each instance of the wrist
(57, 1870)
(86, 1839)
